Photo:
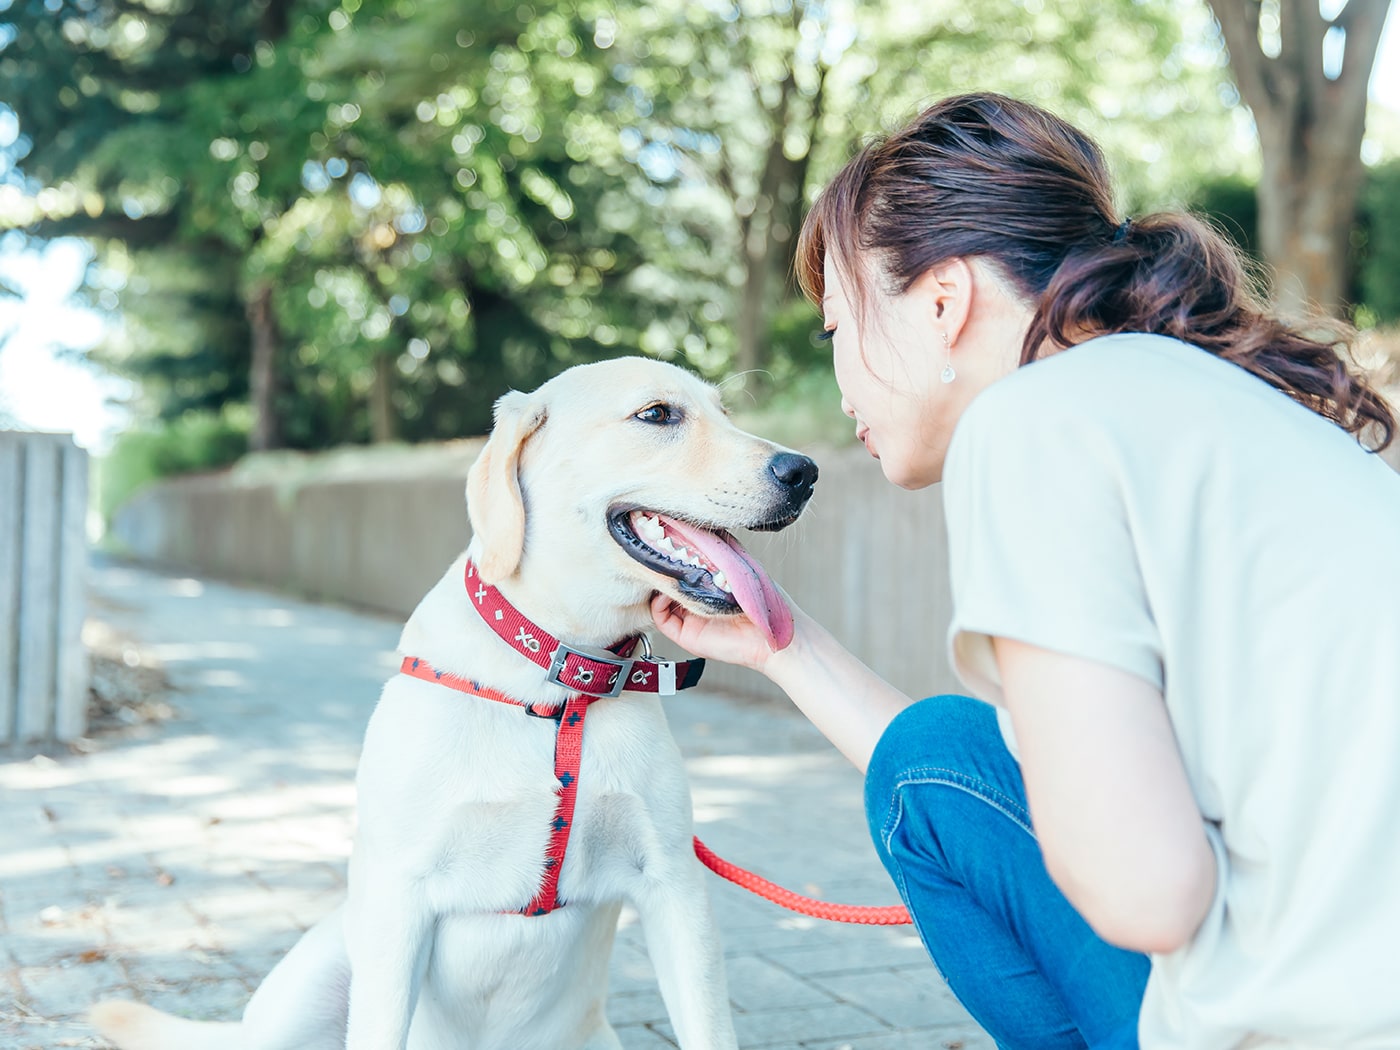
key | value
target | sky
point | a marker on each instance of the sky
(46, 384)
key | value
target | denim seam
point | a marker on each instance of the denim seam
(973, 786)
(951, 778)
(897, 811)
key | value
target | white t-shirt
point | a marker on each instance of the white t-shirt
(1139, 502)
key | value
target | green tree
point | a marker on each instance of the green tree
(324, 221)
(122, 108)
(365, 240)
(1304, 76)
(758, 103)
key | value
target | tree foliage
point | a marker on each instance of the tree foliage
(363, 221)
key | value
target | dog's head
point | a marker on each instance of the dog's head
(631, 470)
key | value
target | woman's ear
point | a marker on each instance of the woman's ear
(948, 289)
(494, 503)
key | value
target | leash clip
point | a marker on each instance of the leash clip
(665, 669)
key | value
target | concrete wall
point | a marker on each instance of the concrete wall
(867, 559)
(43, 560)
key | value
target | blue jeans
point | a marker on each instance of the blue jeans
(947, 811)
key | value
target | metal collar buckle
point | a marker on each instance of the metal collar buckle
(560, 655)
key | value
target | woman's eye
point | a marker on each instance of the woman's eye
(658, 414)
(826, 334)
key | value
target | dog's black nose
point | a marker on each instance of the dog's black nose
(794, 472)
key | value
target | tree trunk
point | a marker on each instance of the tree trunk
(758, 229)
(750, 331)
(769, 236)
(383, 420)
(1307, 204)
(264, 374)
(383, 416)
(1310, 128)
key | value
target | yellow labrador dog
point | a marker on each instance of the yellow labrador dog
(609, 483)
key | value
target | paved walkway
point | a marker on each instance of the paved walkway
(176, 862)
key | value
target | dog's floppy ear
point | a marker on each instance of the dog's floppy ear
(494, 502)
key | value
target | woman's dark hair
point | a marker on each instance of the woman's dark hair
(987, 176)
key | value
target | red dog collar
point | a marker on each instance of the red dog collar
(596, 672)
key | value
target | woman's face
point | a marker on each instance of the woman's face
(890, 368)
(888, 373)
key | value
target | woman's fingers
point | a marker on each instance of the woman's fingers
(668, 616)
(732, 639)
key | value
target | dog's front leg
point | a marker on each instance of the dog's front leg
(389, 938)
(685, 951)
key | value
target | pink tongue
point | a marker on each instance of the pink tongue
(756, 594)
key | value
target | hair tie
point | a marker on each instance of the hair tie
(1122, 232)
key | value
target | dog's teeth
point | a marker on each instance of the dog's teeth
(721, 581)
(649, 528)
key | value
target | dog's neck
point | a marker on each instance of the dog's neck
(576, 602)
(448, 632)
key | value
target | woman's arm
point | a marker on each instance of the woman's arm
(1109, 796)
(843, 698)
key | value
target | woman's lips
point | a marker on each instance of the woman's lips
(863, 436)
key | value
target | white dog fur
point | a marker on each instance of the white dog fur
(456, 793)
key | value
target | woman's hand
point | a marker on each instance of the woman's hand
(733, 639)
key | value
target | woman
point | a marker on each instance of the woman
(1175, 574)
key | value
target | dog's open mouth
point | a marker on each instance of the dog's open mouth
(709, 566)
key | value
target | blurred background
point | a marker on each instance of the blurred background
(303, 224)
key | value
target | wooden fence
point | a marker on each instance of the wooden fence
(43, 560)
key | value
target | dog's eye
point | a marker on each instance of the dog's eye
(660, 414)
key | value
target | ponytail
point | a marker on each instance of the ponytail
(1175, 275)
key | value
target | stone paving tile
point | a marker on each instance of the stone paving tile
(636, 1008)
(755, 984)
(847, 948)
(791, 1027)
(177, 862)
(642, 1037)
(956, 1037)
(896, 1000)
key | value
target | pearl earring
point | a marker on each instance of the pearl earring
(947, 375)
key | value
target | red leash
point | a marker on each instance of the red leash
(894, 915)
(568, 759)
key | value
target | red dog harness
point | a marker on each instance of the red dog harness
(595, 674)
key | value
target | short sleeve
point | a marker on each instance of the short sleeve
(1040, 543)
